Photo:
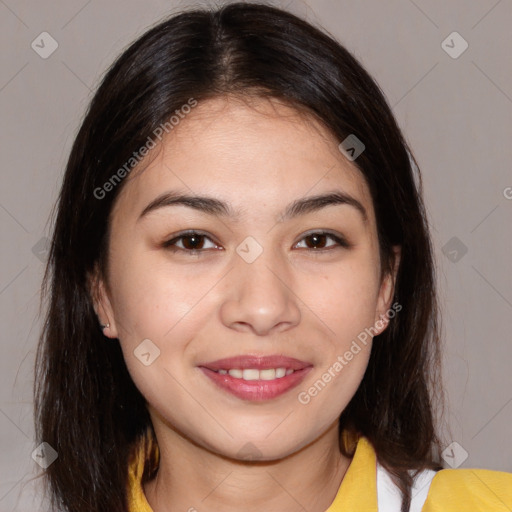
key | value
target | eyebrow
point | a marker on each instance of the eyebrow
(212, 206)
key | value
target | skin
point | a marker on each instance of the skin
(294, 299)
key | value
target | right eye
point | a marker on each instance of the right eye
(192, 242)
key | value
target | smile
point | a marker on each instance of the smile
(255, 374)
(256, 378)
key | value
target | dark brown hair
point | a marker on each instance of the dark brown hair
(86, 404)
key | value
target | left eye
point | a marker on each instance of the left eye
(320, 240)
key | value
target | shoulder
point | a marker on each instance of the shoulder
(449, 490)
(469, 489)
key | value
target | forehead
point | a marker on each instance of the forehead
(243, 152)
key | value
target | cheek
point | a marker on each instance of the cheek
(335, 383)
(344, 299)
(169, 308)
(156, 314)
(150, 300)
(343, 377)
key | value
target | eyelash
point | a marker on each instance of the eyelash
(171, 243)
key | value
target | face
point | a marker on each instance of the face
(214, 296)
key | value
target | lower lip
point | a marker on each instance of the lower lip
(257, 390)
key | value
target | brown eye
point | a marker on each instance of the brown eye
(316, 241)
(322, 240)
(190, 242)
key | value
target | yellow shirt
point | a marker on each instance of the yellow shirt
(451, 490)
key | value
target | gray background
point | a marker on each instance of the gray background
(455, 112)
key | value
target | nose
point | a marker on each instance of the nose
(259, 298)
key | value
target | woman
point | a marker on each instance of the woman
(240, 215)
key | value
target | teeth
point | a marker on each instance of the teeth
(280, 372)
(269, 374)
(255, 374)
(251, 374)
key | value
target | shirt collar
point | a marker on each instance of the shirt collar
(358, 489)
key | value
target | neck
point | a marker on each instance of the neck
(194, 479)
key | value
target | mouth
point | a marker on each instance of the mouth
(256, 378)
(255, 374)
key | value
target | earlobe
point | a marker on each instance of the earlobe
(102, 305)
(386, 293)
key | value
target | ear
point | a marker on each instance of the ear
(386, 293)
(101, 302)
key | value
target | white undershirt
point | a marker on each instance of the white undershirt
(389, 497)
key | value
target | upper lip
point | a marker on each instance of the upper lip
(256, 362)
